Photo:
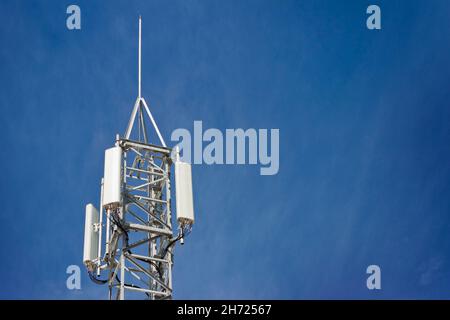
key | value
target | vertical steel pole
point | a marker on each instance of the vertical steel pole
(139, 72)
(122, 271)
(169, 222)
(99, 253)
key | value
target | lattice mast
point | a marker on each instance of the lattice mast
(136, 213)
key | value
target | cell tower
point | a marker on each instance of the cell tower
(135, 211)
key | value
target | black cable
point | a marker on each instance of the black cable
(157, 266)
(95, 279)
(171, 243)
(119, 224)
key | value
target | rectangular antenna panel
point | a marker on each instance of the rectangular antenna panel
(112, 177)
(91, 235)
(184, 199)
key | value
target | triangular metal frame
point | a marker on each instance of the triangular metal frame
(141, 104)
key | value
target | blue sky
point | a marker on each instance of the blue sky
(364, 141)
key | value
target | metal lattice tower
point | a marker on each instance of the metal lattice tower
(141, 261)
(136, 202)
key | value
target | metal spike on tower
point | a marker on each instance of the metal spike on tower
(135, 216)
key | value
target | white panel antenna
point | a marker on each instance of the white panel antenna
(184, 198)
(91, 236)
(112, 177)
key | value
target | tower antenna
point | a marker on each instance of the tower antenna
(139, 63)
(135, 200)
